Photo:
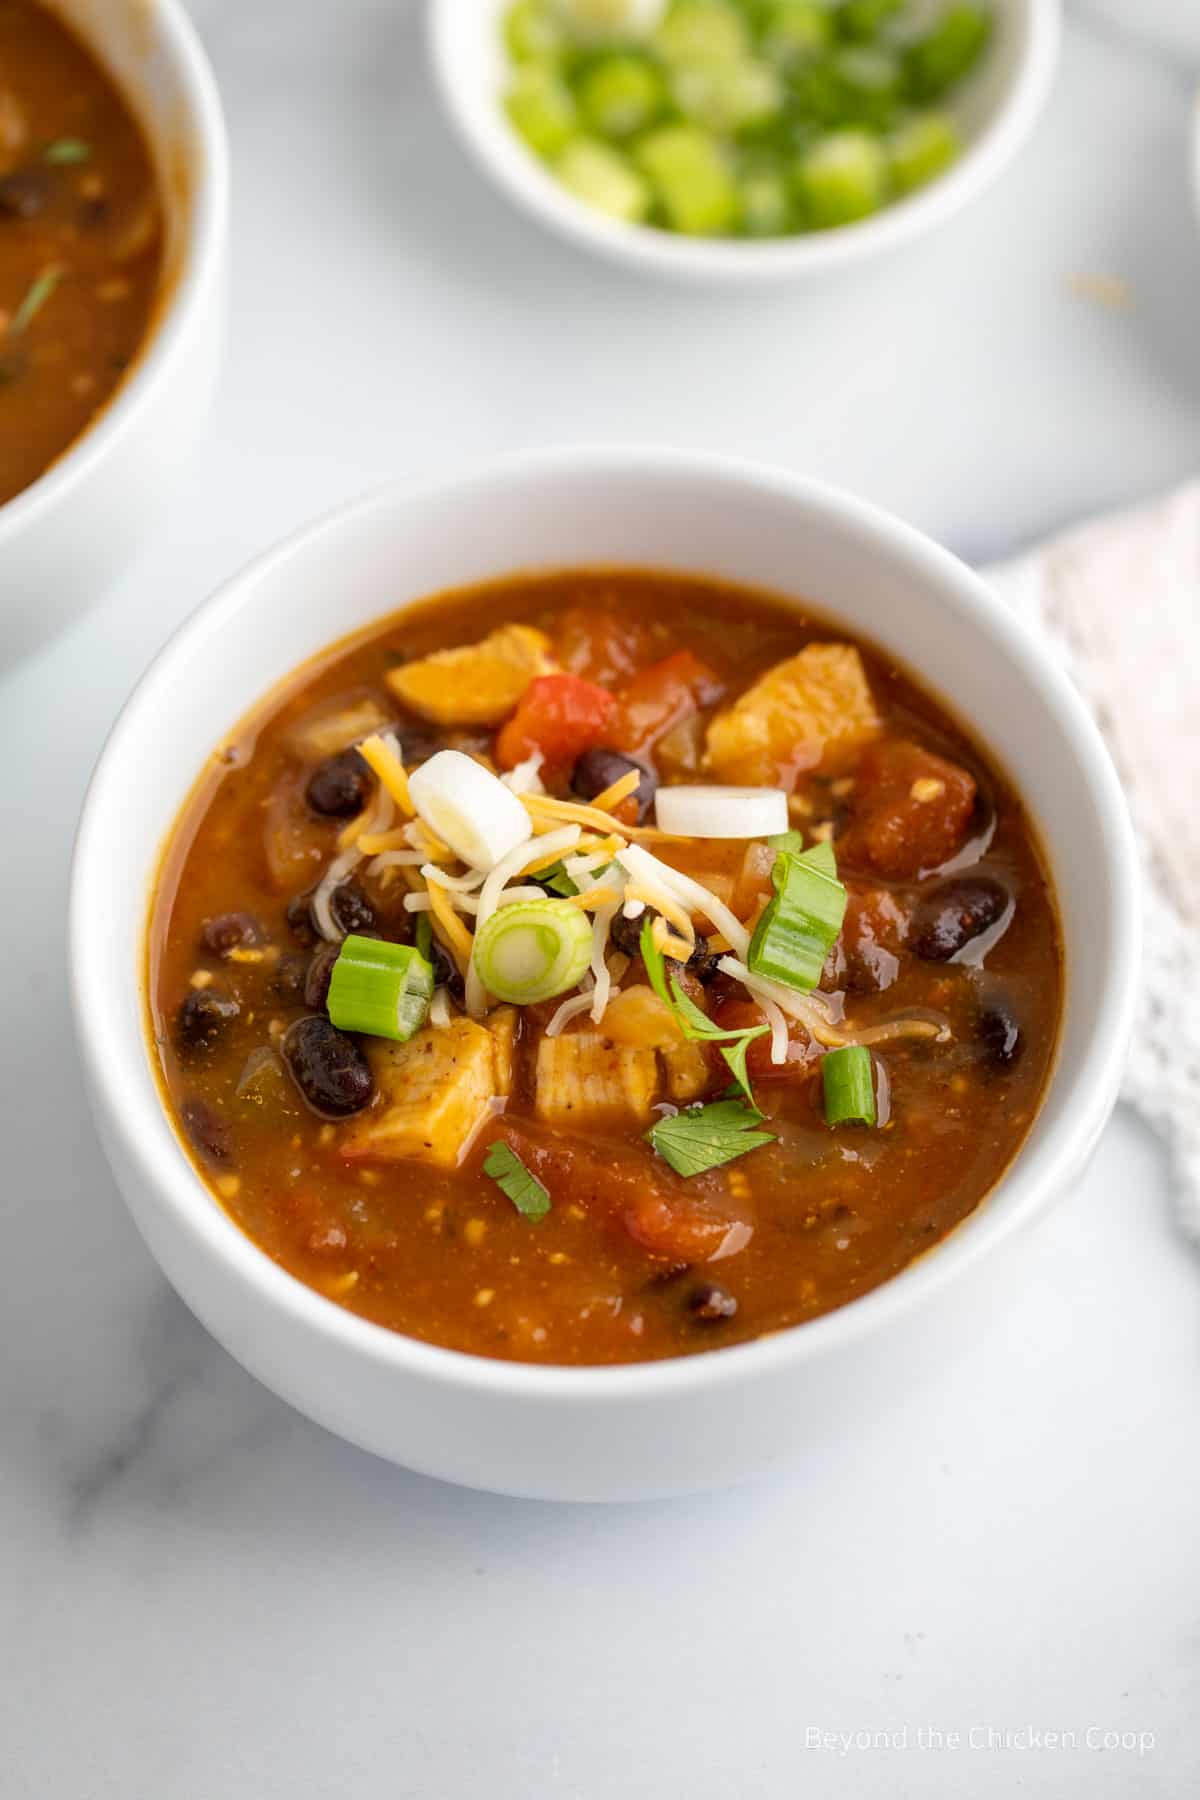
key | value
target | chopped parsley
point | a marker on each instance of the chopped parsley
(515, 1181)
(65, 151)
(704, 1137)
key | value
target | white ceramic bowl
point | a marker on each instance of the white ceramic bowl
(666, 1427)
(63, 537)
(997, 110)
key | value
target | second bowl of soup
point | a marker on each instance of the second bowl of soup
(641, 928)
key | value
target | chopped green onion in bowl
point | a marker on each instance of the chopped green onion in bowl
(746, 119)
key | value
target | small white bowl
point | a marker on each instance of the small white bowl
(996, 111)
(655, 1428)
(64, 536)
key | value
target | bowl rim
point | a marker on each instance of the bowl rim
(1034, 1178)
(205, 231)
(735, 260)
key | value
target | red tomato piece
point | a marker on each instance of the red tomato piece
(802, 1053)
(685, 1229)
(911, 810)
(559, 715)
(658, 698)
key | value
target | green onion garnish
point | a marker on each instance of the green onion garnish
(514, 1180)
(424, 936)
(382, 989)
(39, 291)
(65, 151)
(533, 950)
(704, 1137)
(849, 1085)
(556, 879)
(693, 1023)
(800, 925)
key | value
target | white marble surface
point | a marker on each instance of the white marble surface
(201, 1594)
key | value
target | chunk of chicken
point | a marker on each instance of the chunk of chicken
(585, 1079)
(502, 1025)
(812, 712)
(431, 1093)
(327, 730)
(688, 1071)
(476, 684)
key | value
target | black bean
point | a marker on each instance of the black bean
(954, 912)
(317, 979)
(299, 919)
(288, 978)
(703, 961)
(710, 1303)
(445, 971)
(999, 1030)
(230, 931)
(351, 909)
(328, 1067)
(208, 1133)
(24, 193)
(598, 769)
(203, 1017)
(416, 746)
(626, 933)
(338, 788)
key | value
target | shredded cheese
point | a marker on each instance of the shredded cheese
(439, 1008)
(646, 870)
(593, 897)
(570, 1008)
(600, 969)
(618, 790)
(381, 755)
(374, 819)
(333, 877)
(450, 927)
(541, 808)
(678, 948)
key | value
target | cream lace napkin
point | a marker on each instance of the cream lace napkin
(1120, 601)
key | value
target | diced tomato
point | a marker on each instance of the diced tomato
(601, 645)
(802, 1053)
(685, 1228)
(873, 933)
(622, 1184)
(559, 715)
(911, 810)
(658, 698)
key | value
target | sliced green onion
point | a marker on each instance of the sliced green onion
(532, 33)
(800, 925)
(65, 151)
(921, 149)
(948, 52)
(533, 950)
(382, 989)
(842, 178)
(794, 30)
(696, 31)
(691, 178)
(424, 936)
(39, 291)
(542, 109)
(515, 1181)
(849, 1085)
(603, 178)
(622, 94)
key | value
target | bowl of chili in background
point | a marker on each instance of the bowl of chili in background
(113, 220)
(678, 1424)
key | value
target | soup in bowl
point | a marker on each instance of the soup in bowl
(112, 210)
(596, 1004)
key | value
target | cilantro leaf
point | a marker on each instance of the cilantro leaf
(557, 880)
(514, 1180)
(65, 151)
(704, 1137)
(735, 1056)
